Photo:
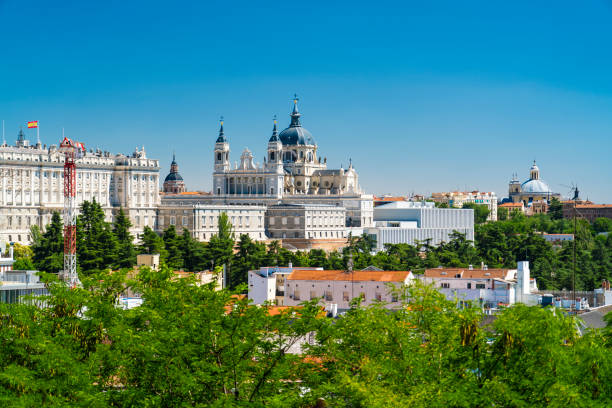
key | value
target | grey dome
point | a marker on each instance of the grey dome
(173, 177)
(535, 186)
(296, 136)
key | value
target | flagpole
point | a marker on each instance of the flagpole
(37, 132)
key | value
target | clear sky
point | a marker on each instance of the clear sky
(424, 96)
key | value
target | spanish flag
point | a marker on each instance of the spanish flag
(33, 124)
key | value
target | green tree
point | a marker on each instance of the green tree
(48, 248)
(481, 212)
(502, 214)
(602, 225)
(555, 209)
(172, 244)
(221, 244)
(126, 252)
(249, 255)
(97, 246)
(151, 243)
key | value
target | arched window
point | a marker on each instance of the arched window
(272, 156)
(218, 156)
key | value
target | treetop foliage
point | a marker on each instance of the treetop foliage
(190, 345)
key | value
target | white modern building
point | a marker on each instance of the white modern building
(31, 186)
(267, 284)
(408, 222)
(16, 285)
(339, 288)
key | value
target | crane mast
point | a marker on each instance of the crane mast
(72, 151)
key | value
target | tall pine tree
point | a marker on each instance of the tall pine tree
(96, 243)
(48, 248)
(172, 243)
(126, 253)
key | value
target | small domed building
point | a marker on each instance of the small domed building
(532, 190)
(174, 184)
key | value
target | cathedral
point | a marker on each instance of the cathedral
(292, 167)
(534, 189)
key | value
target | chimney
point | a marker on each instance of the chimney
(523, 279)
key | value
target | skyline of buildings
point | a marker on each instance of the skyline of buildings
(293, 188)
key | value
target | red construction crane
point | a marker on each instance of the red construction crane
(72, 151)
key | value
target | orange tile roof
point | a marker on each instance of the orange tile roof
(341, 275)
(587, 206)
(390, 199)
(466, 273)
(511, 205)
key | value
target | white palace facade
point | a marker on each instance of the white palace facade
(31, 186)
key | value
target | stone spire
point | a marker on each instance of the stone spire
(221, 138)
(295, 114)
(274, 137)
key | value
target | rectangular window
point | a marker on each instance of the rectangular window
(313, 294)
(271, 220)
(328, 296)
(394, 297)
(296, 295)
(469, 285)
(445, 285)
(378, 296)
(345, 296)
(480, 286)
(172, 220)
(184, 221)
(284, 221)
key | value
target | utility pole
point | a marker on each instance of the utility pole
(72, 151)
(574, 256)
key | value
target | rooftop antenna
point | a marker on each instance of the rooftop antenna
(3, 139)
(575, 197)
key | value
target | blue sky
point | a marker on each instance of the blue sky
(423, 96)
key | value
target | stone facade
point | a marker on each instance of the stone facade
(31, 186)
(306, 221)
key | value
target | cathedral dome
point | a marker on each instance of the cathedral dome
(535, 186)
(295, 134)
(173, 177)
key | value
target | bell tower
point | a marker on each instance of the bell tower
(534, 172)
(275, 149)
(222, 164)
(222, 150)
